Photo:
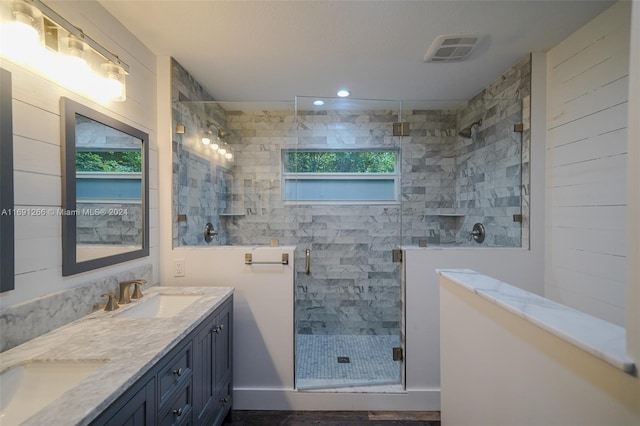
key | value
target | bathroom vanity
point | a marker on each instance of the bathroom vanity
(164, 359)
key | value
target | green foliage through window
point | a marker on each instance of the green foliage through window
(109, 161)
(339, 161)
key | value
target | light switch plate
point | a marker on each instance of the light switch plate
(178, 268)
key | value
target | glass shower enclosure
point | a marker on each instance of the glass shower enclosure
(335, 182)
(344, 179)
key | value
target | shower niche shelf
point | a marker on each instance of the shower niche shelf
(445, 212)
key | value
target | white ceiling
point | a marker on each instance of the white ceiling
(275, 50)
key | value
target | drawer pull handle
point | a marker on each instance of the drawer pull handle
(218, 328)
(178, 412)
(225, 400)
(178, 373)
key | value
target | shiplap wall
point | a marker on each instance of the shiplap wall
(587, 94)
(37, 163)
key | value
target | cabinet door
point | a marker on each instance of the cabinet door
(204, 375)
(134, 407)
(223, 355)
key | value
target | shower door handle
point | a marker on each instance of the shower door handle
(307, 261)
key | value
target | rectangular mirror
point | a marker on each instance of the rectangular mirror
(105, 190)
(7, 266)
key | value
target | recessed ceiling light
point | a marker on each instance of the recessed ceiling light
(318, 102)
(343, 93)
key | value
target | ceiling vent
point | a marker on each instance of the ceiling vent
(452, 47)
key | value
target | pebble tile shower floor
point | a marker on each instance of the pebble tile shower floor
(370, 361)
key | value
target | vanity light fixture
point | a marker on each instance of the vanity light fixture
(36, 37)
(343, 93)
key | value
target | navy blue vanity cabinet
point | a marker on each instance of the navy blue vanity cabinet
(212, 367)
(223, 364)
(175, 383)
(191, 385)
(135, 407)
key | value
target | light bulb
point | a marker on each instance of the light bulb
(19, 41)
(113, 85)
(215, 146)
(20, 35)
(222, 150)
(228, 156)
(206, 138)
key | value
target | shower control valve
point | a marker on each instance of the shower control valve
(210, 233)
(478, 233)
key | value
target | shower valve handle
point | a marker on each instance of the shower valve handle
(210, 233)
(478, 233)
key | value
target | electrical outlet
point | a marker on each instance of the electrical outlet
(178, 268)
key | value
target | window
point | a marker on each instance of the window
(109, 176)
(340, 176)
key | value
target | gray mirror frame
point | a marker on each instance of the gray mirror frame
(7, 230)
(70, 265)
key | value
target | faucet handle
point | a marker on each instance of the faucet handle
(111, 305)
(137, 293)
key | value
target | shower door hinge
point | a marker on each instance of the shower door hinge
(519, 128)
(396, 255)
(401, 129)
(398, 354)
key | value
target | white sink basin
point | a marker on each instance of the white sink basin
(160, 306)
(27, 388)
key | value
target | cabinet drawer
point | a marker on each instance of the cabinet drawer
(179, 409)
(174, 373)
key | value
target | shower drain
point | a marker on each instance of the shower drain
(343, 360)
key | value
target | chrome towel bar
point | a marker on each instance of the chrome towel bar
(248, 260)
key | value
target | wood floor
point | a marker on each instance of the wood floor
(334, 418)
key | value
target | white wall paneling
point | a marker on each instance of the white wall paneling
(37, 165)
(633, 242)
(586, 174)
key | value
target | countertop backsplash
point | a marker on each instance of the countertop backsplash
(25, 321)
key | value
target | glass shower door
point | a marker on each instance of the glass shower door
(343, 177)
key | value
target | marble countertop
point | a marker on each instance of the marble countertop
(130, 347)
(600, 338)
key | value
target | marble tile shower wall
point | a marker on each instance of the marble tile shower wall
(202, 178)
(428, 177)
(353, 288)
(492, 169)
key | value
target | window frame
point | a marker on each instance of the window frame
(395, 176)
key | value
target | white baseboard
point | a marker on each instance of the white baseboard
(293, 400)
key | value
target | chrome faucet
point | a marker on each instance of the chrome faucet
(125, 291)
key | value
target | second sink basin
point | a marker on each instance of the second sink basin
(27, 388)
(160, 306)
